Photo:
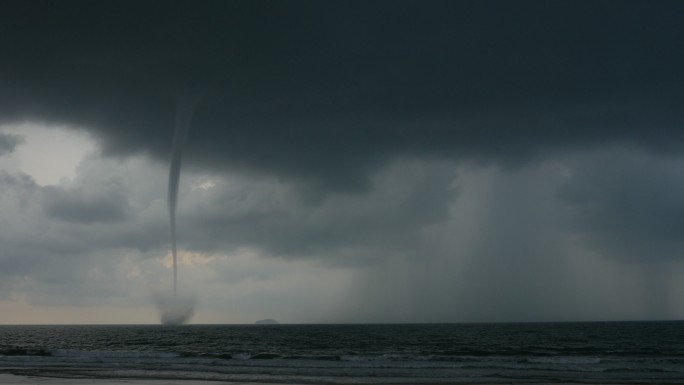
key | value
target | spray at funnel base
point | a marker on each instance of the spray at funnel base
(175, 311)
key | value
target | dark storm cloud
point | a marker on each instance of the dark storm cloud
(628, 205)
(306, 101)
(354, 229)
(27, 243)
(107, 204)
(324, 92)
(82, 241)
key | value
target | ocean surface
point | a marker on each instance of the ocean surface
(526, 353)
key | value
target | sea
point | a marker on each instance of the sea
(497, 353)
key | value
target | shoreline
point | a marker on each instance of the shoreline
(17, 379)
(7, 378)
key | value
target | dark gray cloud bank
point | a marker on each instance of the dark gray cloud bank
(461, 152)
(325, 91)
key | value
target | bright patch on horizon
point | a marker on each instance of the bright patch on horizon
(187, 258)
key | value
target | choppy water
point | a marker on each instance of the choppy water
(613, 352)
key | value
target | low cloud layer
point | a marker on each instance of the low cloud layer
(430, 241)
(8, 142)
(627, 204)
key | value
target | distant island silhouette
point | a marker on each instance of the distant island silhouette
(267, 321)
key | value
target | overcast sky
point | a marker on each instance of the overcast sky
(347, 161)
